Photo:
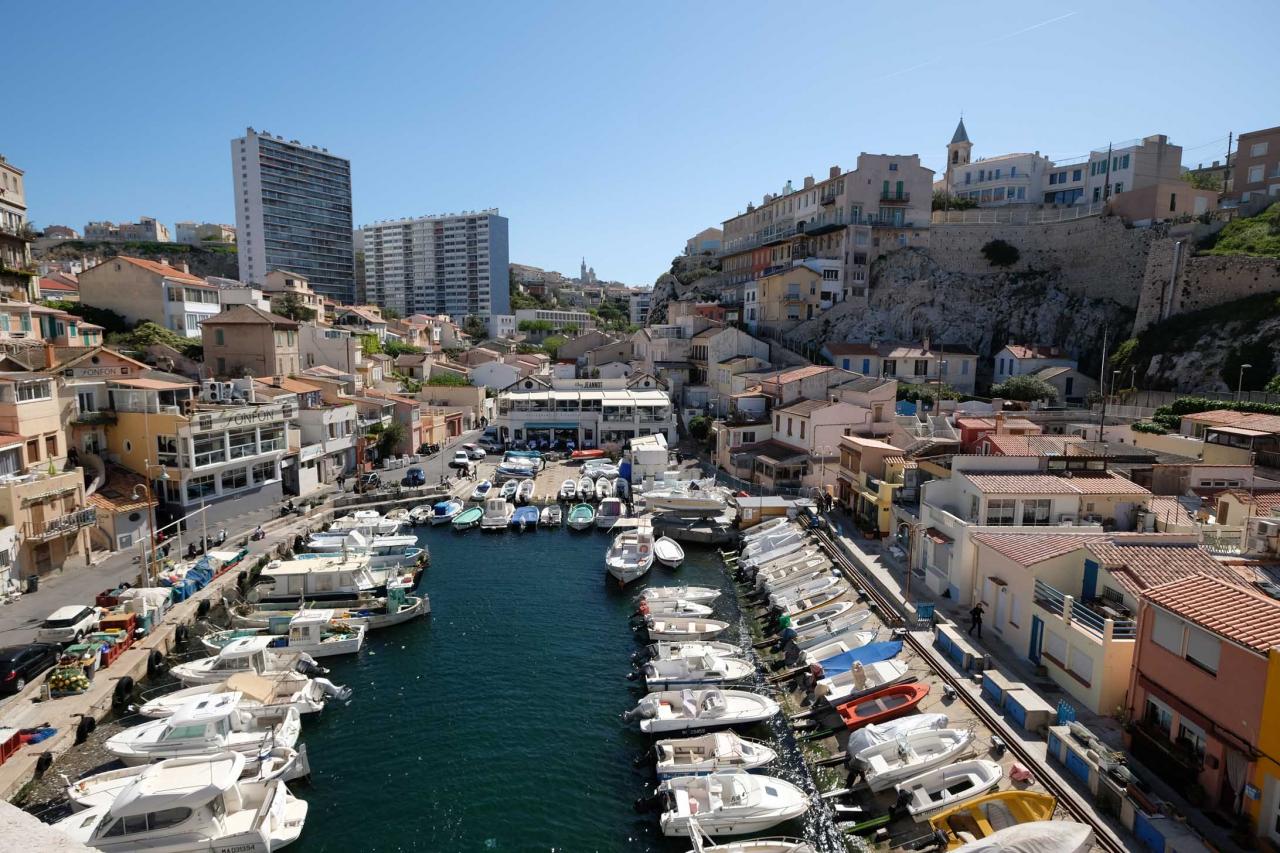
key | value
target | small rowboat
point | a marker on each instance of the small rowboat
(587, 454)
(582, 517)
(882, 705)
(551, 515)
(569, 490)
(943, 787)
(524, 493)
(468, 518)
(986, 815)
(684, 628)
(668, 552)
(700, 594)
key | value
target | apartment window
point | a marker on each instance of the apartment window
(964, 368)
(1166, 632)
(1000, 511)
(1255, 174)
(234, 478)
(943, 367)
(921, 367)
(209, 450)
(1159, 715)
(1119, 186)
(200, 487)
(889, 367)
(1013, 171)
(1036, 511)
(1077, 175)
(1097, 193)
(788, 427)
(1258, 149)
(263, 472)
(33, 450)
(1173, 202)
(1193, 735)
(1203, 649)
(219, 338)
(222, 366)
(272, 439)
(29, 391)
(243, 443)
(167, 449)
(802, 429)
(866, 366)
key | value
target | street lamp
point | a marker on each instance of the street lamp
(1240, 381)
(151, 513)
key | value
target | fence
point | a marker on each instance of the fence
(1011, 216)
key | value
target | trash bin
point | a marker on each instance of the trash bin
(33, 584)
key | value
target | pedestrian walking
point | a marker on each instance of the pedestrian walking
(975, 619)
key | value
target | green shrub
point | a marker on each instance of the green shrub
(1025, 388)
(1154, 429)
(1255, 235)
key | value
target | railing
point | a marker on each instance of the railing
(105, 416)
(895, 196)
(1078, 613)
(1007, 216)
(62, 526)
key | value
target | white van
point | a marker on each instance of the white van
(68, 624)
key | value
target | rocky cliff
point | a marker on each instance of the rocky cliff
(911, 297)
(692, 277)
(217, 260)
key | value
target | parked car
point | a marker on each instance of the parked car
(68, 624)
(460, 459)
(414, 477)
(19, 665)
(475, 451)
(369, 481)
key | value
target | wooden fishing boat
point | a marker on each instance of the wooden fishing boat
(581, 517)
(983, 816)
(883, 705)
(468, 518)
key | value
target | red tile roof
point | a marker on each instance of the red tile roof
(1106, 483)
(165, 270)
(1170, 510)
(990, 423)
(852, 349)
(1264, 501)
(1028, 549)
(800, 373)
(1034, 351)
(1031, 445)
(50, 284)
(1139, 562)
(1230, 611)
(1241, 420)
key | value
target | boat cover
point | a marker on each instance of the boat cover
(873, 653)
(1041, 836)
(878, 733)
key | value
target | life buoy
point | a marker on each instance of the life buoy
(644, 549)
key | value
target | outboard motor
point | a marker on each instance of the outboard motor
(644, 710)
(333, 691)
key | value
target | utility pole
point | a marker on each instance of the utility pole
(1102, 376)
(1226, 164)
(1106, 182)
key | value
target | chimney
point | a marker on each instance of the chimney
(184, 267)
(924, 345)
(999, 422)
(834, 172)
(49, 359)
(164, 262)
(808, 182)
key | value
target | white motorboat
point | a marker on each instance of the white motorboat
(769, 541)
(668, 650)
(886, 764)
(421, 513)
(808, 589)
(551, 515)
(497, 513)
(370, 522)
(773, 551)
(826, 616)
(192, 806)
(785, 586)
(610, 510)
(206, 727)
(604, 488)
(445, 511)
(325, 579)
(792, 574)
(247, 654)
(684, 628)
(821, 632)
(631, 554)
(702, 754)
(706, 671)
(621, 489)
(693, 496)
(481, 492)
(569, 491)
(943, 787)
(1039, 836)
(599, 468)
(756, 845)
(860, 680)
(682, 710)
(818, 600)
(524, 493)
(876, 733)
(317, 632)
(581, 517)
(668, 552)
(758, 530)
(586, 489)
(729, 802)
(846, 643)
(257, 694)
(700, 594)
(101, 789)
(673, 607)
(782, 565)
(509, 490)
(375, 612)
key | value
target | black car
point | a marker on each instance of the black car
(21, 664)
(414, 477)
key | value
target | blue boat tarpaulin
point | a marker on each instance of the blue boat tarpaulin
(872, 653)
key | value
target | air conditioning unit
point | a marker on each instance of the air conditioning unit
(228, 391)
(211, 391)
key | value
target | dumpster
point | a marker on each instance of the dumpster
(33, 584)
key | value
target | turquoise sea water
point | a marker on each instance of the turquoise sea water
(494, 724)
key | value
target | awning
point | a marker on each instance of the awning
(938, 536)
(1248, 433)
(551, 426)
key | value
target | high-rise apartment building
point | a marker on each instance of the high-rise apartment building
(453, 264)
(293, 211)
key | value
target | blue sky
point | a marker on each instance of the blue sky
(607, 130)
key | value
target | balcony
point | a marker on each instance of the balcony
(793, 299)
(43, 531)
(895, 198)
(827, 197)
(1092, 617)
(96, 418)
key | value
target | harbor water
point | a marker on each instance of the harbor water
(495, 723)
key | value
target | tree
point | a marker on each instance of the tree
(552, 345)
(534, 326)
(291, 306)
(1000, 254)
(571, 328)
(1202, 180)
(391, 314)
(943, 200)
(447, 380)
(1025, 388)
(370, 345)
(474, 326)
(393, 347)
(700, 427)
(1273, 387)
(389, 438)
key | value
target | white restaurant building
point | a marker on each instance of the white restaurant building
(588, 412)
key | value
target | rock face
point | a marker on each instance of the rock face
(692, 277)
(911, 298)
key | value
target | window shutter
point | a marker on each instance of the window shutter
(1166, 631)
(1203, 648)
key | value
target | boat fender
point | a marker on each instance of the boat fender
(84, 728)
(122, 694)
(202, 609)
(155, 664)
(43, 763)
(180, 635)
